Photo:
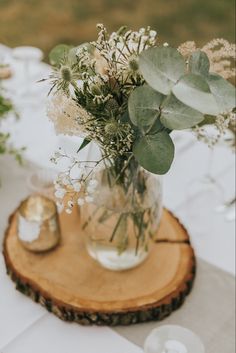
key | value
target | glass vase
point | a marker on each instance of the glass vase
(119, 225)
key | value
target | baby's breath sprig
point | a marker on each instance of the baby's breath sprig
(77, 184)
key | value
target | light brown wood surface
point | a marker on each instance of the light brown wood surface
(68, 282)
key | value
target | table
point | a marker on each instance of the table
(25, 326)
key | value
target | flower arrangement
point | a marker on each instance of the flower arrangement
(127, 93)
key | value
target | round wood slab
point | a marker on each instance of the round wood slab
(69, 283)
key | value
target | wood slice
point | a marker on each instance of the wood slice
(69, 283)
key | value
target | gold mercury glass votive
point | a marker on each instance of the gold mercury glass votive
(38, 224)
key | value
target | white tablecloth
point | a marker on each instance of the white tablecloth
(25, 327)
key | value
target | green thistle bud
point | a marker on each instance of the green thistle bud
(133, 64)
(66, 73)
(95, 90)
(112, 105)
(111, 128)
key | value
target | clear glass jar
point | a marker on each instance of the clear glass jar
(119, 225)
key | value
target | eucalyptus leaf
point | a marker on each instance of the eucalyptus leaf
(161, 68)
(144, 106)
(176, 115)
(155, 153)
(194, 91)
(156, 127)
(223, 91)
(199, 63)
(72, 58)
(125, 118)
(58, 53)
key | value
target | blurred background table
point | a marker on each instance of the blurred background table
(25, 326)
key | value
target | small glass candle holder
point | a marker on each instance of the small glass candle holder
(173, 339)
(38, 224)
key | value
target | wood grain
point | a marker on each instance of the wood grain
(69, 283)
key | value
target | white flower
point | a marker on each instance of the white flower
(77, 186)
(70, 204)
(68, 210)
(153, 34)
(60, 207)
(66, 180)
(165, 44)
(57, 185)
(80, 201)
(90, 189)
(93, 183)
(89, 199)
(60, 193)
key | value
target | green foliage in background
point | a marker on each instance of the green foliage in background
(5, 147)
